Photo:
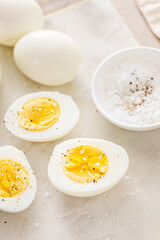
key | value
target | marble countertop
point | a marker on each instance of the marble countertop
(129, 211)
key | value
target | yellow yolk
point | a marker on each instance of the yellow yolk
(85, 164)
(14, 178)
(39, 114)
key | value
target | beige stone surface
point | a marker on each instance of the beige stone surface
(100, 31)
(129, 211)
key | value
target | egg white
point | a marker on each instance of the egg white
(23, 201)
(49, 57)
(18, 18)
(118, 165)
(68, 118)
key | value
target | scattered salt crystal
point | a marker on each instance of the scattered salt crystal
(84, 158)
(97, 164)
(46, 194)
(100, 156)
(82, 151)
(100, 222)
(36, 225)
(90, 175)
(127, 178)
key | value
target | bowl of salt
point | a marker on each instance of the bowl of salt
(126, 88)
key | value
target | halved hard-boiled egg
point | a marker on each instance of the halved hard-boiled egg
(85, 167)
(42, 116)
(17, 182)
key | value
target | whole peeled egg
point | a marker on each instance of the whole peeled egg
(48, 57)
(18, 18)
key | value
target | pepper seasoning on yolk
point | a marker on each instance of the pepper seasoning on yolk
(85, 164)
(39, 114)
(14, 178)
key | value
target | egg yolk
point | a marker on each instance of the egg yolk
(14, 178)
(39, 114)
(85, 164)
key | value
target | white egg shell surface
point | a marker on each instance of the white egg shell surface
(48, 57)
(68, 118)
(23, 201)
(118, 165)
(17, 18)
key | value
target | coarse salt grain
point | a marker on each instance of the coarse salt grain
(36, 225)
(127, 178)
(97, 164)
(82, 151)
(133, 92)
(46, 194)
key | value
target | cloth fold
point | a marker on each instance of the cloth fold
(151, 12)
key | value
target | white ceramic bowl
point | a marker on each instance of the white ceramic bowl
(98, 88)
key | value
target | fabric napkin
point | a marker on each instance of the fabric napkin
(151, 12)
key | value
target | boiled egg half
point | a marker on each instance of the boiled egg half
(85, 167)
(42, 116)
(17, 182)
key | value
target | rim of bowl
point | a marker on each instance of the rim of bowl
(102, 111)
